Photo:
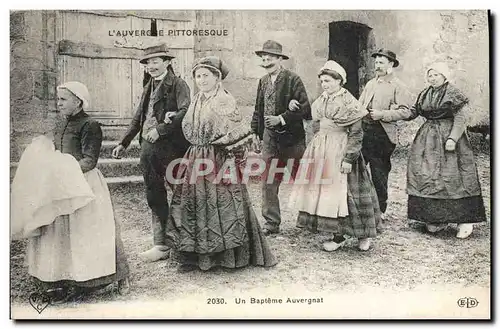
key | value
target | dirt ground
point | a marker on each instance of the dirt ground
(402, 258)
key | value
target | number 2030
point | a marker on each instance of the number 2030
(216, 301)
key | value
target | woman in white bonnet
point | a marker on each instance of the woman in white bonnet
(346, 203)
(443, 184)
(82, 251)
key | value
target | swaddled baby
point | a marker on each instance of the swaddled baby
(47, 184)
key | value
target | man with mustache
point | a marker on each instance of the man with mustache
(387, 101)
(164, 102)
(280, 108)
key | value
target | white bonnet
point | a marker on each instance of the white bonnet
(440, 67)
(336, 67)
(79, 90)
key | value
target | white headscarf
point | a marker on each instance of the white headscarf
(79, 90)
(441, 68)
(336, 67)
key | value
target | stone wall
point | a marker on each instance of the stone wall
(460, 38)
(418, 37)
(32, 75)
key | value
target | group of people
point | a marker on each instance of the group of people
(208, 224)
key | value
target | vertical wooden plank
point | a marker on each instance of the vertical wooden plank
(141, 24)
(164, 26)
(121, 83)
(113, 76)
(108, 81)
(137, 73)
(184, 55)
(182, 64)
(60, 60)
(116, 84)
(137, 23)
(93, 28)
(178, 63)
(188, 59)
(176, 41)
(137, 69)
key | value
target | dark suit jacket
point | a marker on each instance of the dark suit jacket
(173, 96)
(288, 86)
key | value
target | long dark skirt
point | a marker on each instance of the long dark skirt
(214, 224)
(443, 211)
(443, 186)
(254, 252)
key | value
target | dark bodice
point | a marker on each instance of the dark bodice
(440, 103)
(80, 136)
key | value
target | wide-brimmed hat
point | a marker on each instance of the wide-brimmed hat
(79, 90)
(160, 50)
(389, 54)
(214, 63)
(272, 47)
(336, 67)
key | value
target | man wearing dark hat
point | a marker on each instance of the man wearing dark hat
(164, 102)
(281, 106)
(387, 101)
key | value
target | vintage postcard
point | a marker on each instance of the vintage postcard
(250, 164)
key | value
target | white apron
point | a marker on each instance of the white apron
(326, 197)
(67, 215)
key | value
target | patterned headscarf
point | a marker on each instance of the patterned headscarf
(214, 63)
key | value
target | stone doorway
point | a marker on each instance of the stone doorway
(350, 45)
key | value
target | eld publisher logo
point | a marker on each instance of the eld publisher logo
(468, 302)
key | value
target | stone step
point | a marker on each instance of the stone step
(114, 133)
(119, 171)
(125, 167)
(109, 168)
(133, 151)
(119, 167)
(124, 180)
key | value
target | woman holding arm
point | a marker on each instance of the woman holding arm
(443, 184)
(338, 196)
(212, 222)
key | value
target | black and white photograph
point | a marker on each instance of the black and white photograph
(250, 164)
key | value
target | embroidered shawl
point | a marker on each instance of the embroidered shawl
(342, 107)
(216, 120)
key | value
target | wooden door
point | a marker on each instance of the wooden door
(349, 43)
(94, 51)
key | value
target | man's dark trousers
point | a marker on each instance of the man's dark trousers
(377, 150)
(155, 158)
(271, 149)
